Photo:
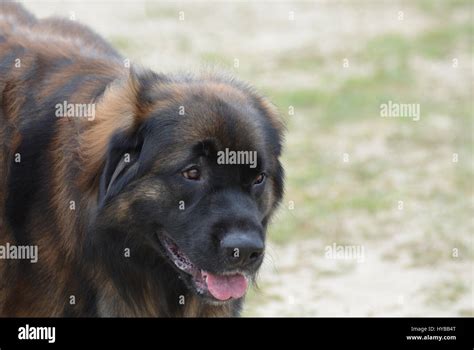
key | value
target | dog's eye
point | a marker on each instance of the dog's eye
(192, 173)
(259, 179)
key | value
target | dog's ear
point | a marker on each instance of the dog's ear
(123, 151)
(111, 147)
(121, 165)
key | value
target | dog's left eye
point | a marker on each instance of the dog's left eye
(192, 173)
(259, 179)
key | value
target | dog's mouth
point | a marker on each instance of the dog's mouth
(217, 287)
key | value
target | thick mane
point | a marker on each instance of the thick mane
(66, 187)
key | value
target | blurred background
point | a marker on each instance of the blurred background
(400, 190)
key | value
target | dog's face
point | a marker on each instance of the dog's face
(194, 186)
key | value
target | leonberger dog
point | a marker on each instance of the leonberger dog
(112, 172)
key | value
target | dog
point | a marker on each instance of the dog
(144, 194)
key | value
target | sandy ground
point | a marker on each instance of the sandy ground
(299, 281)
(407, 270)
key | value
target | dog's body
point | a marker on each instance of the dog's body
(110, 231)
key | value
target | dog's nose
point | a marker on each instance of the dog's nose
(242, 249)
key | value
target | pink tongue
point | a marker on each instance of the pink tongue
(226, 287)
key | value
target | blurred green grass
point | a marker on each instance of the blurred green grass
(323, 113)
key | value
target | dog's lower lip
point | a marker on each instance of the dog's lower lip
(177, 257)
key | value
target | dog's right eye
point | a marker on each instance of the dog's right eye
(192, 173)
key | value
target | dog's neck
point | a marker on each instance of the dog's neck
(111, 304)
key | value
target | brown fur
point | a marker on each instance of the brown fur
(53, 53)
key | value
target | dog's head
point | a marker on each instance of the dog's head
(190, 182)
